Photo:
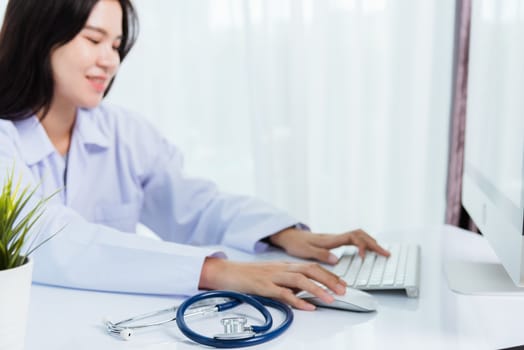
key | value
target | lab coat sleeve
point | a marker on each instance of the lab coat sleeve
(91, 256)
(195, 212)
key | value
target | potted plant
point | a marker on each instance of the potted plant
(16, 223)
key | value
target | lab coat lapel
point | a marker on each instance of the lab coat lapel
(87, 138)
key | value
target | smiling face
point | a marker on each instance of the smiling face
(83, 67)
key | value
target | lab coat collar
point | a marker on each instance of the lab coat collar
(35, 143)
(88, 131)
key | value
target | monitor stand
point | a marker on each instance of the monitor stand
(480, 278)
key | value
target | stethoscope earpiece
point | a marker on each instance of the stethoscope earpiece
(126, 333)
(123, 333)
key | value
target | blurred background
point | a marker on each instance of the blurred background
(336, 111)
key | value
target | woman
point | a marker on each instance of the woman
(57, 61)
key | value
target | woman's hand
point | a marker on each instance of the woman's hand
(281, 280)
(278, 280)
(307, 245)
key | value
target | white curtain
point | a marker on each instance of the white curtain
(334, 110)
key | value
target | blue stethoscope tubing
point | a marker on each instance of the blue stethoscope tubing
(262, 333)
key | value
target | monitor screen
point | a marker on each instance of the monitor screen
(493, 190)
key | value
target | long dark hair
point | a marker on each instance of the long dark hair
(31, 29)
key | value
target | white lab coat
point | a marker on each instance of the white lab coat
(120, 171)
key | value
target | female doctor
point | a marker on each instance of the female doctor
(58, 60)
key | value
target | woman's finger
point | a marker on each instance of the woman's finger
(366, 242)
(287, 296)
(359, 238)
(320, 254)
(315, 272)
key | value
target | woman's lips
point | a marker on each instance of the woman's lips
(98, 83)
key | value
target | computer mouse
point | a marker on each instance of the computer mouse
(353, 300)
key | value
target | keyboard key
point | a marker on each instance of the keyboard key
(365, 270)
(401, 270)
(378, 271)
(352, 272)
(391, 266)
(342, 265)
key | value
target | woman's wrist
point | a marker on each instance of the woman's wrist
(210, 274)
(280, 238)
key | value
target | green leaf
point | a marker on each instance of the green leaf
(15, 230)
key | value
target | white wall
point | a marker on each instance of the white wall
(335, 110)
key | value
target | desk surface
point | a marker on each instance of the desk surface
(61, 318)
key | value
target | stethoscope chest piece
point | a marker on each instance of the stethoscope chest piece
(235, 329)
(237, 333)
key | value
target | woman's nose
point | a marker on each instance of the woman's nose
(109, 58)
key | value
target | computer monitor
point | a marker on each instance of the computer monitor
(493, 190)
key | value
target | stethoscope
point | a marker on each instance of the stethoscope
(237, 333)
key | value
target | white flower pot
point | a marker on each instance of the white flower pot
(15, 287)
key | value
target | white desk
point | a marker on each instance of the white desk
(62, 319)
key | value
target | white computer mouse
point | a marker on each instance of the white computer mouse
(353, 300)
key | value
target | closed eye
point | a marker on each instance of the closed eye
(94, 41)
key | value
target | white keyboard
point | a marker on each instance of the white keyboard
(375, 272)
